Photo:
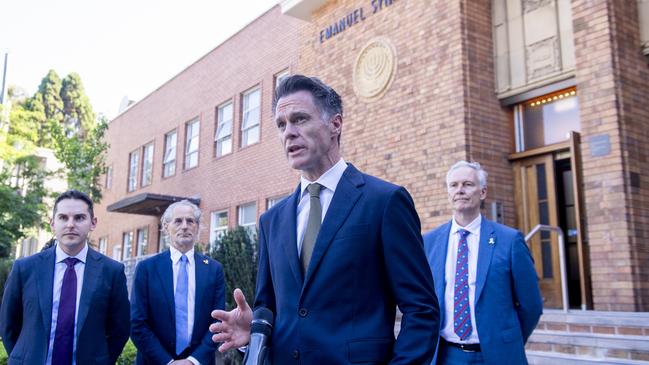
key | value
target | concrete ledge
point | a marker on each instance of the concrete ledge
(604, 341)
(601, 318)
(545, 358)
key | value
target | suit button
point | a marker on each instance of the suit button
(303, 312)
(295, 354)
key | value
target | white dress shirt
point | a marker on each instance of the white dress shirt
(473, 241)
(191, 287)
(329, 181)
(59, 271)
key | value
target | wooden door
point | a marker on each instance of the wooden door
(536, 202)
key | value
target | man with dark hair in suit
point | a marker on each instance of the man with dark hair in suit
(485, 279)
(337, 256)
(67, 304)
(174, 294)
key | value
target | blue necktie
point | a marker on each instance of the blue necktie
(462, 309)
(180, 298)
(64, 335)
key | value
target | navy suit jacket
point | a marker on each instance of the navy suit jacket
(368, 258)
(26, 315)
(153, 318)
(508, 301)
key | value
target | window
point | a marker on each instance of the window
(127, 242)
(251, 116)
(117, 253)
(142, 241)
(103, 243)
(248, 218)
(163, 240)
(169, 160)
(191, 144)
(147, 164)
(109, 177)
(223, 137)
(272, 201)
(280, 77)
(218, 225)
(547, 120)
(133, 161)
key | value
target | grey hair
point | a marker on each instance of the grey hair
(166, 217)
(482, 174)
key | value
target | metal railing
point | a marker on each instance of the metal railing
(129, 269)
(562, 258)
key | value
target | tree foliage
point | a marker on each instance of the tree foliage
(236, 251)
(84, 158)
(77, 109)
(39, 121)
(21, 200)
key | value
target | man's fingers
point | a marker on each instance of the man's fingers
(221, 315)
(240, 299)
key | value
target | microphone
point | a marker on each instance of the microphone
(261, 328)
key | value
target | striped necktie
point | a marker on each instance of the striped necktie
(462, 308)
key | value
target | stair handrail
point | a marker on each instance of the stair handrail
(562, 258)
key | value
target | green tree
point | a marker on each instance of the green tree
(77, 110)
(21, 200)
(236, 251)
(48, 105)
(84, 157)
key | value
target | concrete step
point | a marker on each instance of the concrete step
(547, 358)
(595, 345)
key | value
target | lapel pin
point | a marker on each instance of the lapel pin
(205, 261)
(492, 241)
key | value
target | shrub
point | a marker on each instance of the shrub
(236, 251)
(127, 357)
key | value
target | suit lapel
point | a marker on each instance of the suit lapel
(439, 264)
(91, 275)
(202, 272)
(166, 277)
(485, 253)
(45, 286)
(346, 195)
(287, 237)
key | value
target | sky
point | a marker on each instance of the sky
(119, 48)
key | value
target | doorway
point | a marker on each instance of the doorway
(546, 193)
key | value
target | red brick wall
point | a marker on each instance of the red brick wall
(441, 106)
(251, 57)
(612, 80)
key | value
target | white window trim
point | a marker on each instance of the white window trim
(246, 125)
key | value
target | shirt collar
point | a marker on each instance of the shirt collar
(473, 227)
(61, 255)
(175, 255)
(329, 179)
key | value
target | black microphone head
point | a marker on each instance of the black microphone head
(262, 321)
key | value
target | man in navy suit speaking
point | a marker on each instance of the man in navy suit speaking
(67, 304)
(174, 293)
(484, 278)
(337, 256)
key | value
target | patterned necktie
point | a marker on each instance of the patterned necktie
(64, 335)
(462, 309)
(180, 298)
(312, 226)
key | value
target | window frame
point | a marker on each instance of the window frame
(169, 158)
(218, 142)
(133, 170)
(144, 183)
(218, 231)
(187, 159)
(127, 253)
(138, 252)
(246, 129)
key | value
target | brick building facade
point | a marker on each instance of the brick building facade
(549, 95)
